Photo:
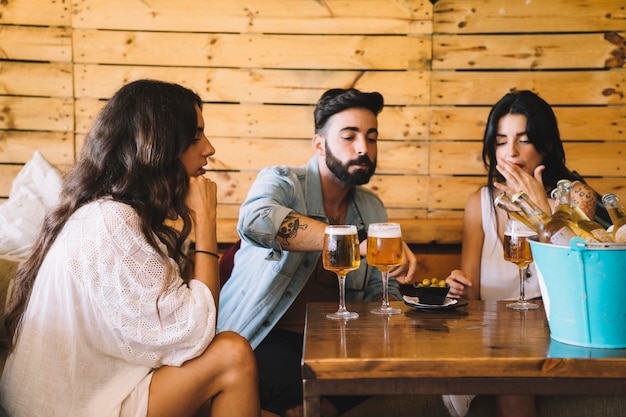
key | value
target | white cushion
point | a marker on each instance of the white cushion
(34, 191)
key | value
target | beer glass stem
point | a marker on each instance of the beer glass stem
(385, 276)
(342, 293)
(522, 303)
(522, 276)
(385, 308)
(342, 312)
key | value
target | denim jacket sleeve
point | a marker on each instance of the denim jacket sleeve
(272, 197)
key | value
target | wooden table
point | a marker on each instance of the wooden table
(481, 348)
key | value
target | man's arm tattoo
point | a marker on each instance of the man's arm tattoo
(289, 228)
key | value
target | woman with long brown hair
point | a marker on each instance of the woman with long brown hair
(101, 321)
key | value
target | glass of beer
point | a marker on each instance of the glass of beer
(517, 250)
(384, 251)
(341, 255)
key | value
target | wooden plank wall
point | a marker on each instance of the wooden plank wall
(569, 52)
(261, 65)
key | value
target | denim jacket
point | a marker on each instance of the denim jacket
(267, 278)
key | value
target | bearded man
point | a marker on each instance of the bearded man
(278, 268)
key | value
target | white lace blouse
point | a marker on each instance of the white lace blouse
(104, 312)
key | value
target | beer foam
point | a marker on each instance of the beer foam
(516, 228)
(341, 230)
(384, 230)
(527, 233)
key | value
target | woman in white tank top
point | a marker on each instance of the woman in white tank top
(522, 151)
(499, 279)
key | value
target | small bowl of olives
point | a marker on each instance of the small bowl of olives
(431, 291)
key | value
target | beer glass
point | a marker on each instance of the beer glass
(384, 251)
(340, 255)
(517, 250)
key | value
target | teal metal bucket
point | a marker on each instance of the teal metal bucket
(586, 292)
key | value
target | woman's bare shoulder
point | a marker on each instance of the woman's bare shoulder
(473, 202)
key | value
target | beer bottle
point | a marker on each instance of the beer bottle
(504, 202)
(593, 227)
(550, 230)
(563, 211)
(563, 208)
(618, 216)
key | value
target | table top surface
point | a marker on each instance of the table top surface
(481, 339)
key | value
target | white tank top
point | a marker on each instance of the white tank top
(499, 279)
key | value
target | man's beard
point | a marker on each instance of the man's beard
(342, 172)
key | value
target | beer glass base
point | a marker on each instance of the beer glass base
(522, 305)
(386, 310)
(342, 315)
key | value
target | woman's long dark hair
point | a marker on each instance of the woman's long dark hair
(131, 154)
(542, 131)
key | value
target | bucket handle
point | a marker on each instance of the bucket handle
(578, 246)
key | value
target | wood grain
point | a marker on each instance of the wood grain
(260, 51)
(271, 86)
(38, 13)
(22, 113)
(25, 43)
(482, 348)
(36, 79)
(262, 16)
(556, 87)
(519, 16)
(463, 343)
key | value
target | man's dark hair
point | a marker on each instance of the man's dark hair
(339, 99)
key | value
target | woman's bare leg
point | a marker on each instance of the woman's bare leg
(223, 379)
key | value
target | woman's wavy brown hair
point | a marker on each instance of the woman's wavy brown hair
(131, 154)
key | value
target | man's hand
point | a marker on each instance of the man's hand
(405, 273)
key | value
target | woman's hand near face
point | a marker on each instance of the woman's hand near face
(516, 180)
(202, 202)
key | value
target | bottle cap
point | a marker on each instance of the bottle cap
(608, 197)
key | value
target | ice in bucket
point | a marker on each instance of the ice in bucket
(585, 287)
